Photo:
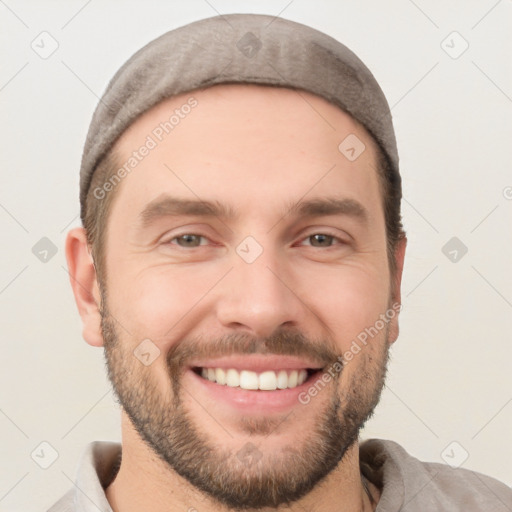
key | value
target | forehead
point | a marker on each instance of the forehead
(247, 144)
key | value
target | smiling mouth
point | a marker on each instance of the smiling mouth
(268, 380)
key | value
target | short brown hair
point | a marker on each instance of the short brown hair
(95, 212)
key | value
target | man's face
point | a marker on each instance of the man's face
(263, 288)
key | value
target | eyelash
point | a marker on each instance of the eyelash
(327, 234)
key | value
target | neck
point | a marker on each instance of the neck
(145, 482)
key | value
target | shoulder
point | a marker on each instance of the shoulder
(409, 484)
(97, 468)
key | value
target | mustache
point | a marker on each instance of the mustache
(284, 343)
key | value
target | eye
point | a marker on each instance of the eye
(189, 240)
(322, 240)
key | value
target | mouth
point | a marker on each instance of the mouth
(254, 384)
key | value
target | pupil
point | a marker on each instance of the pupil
(322, 239)
(189, 240)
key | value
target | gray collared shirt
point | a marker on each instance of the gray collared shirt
(407, 484)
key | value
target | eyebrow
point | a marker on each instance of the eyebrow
(330, 206)
(170, 206)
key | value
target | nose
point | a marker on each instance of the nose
(260, 297)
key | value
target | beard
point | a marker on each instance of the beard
(247, 478)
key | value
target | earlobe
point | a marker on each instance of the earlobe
(83, 279)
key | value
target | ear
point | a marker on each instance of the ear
(396, 285)
(84, 283)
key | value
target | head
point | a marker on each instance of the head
(243, 245)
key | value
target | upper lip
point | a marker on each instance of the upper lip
(258, 363)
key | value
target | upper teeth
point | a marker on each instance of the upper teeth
(267, 381)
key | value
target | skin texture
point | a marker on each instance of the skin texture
(259, 151)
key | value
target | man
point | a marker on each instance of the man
(241, 262)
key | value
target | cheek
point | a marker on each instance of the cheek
(350, 300)
(159, 302)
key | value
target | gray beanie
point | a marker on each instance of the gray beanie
(237, 48)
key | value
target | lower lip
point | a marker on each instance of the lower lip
(250, 401)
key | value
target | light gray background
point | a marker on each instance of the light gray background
(450, 377)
